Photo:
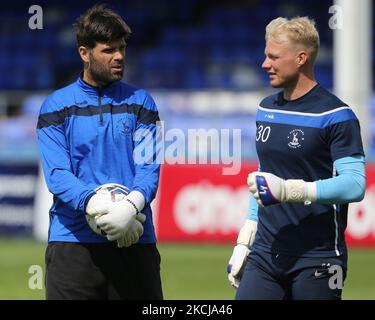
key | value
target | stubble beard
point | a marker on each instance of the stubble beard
(101, 74)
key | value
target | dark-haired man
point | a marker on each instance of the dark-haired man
(88, 133)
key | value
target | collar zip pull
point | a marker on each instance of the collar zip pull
(100, 91)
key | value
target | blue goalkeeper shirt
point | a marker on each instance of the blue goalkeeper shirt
(87, 138)
(301, 139)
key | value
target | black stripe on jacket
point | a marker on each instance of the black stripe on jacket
(56, 118)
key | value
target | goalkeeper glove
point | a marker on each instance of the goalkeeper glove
(237, 261)
(269, 189)
(134, 233)
(121, 215)
(127, 239)
(98, 203)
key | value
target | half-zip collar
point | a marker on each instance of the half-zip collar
(100, 93)
(108, 90)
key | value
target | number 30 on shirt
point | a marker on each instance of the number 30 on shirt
(263, 133)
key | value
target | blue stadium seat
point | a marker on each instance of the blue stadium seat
(169, 37)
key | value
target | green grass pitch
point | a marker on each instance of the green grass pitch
(190, 272)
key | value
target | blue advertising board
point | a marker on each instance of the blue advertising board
(17, 193)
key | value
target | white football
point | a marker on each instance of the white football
(115, 192)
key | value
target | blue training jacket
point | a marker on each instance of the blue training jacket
(86, 138)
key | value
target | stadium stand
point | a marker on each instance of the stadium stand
(187, 44)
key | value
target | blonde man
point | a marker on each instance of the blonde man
(311, 166)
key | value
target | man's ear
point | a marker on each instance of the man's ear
(84, 53)
(302, 58)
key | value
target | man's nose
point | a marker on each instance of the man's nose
(266, 64)
(119, 55)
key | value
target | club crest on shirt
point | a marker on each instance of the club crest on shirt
(124, 127)
(295, 138)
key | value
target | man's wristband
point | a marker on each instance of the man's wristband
(133, 204)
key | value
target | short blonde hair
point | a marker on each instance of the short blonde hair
(299, 30)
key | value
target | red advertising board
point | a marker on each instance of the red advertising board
(198, 203)
(361, 218)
